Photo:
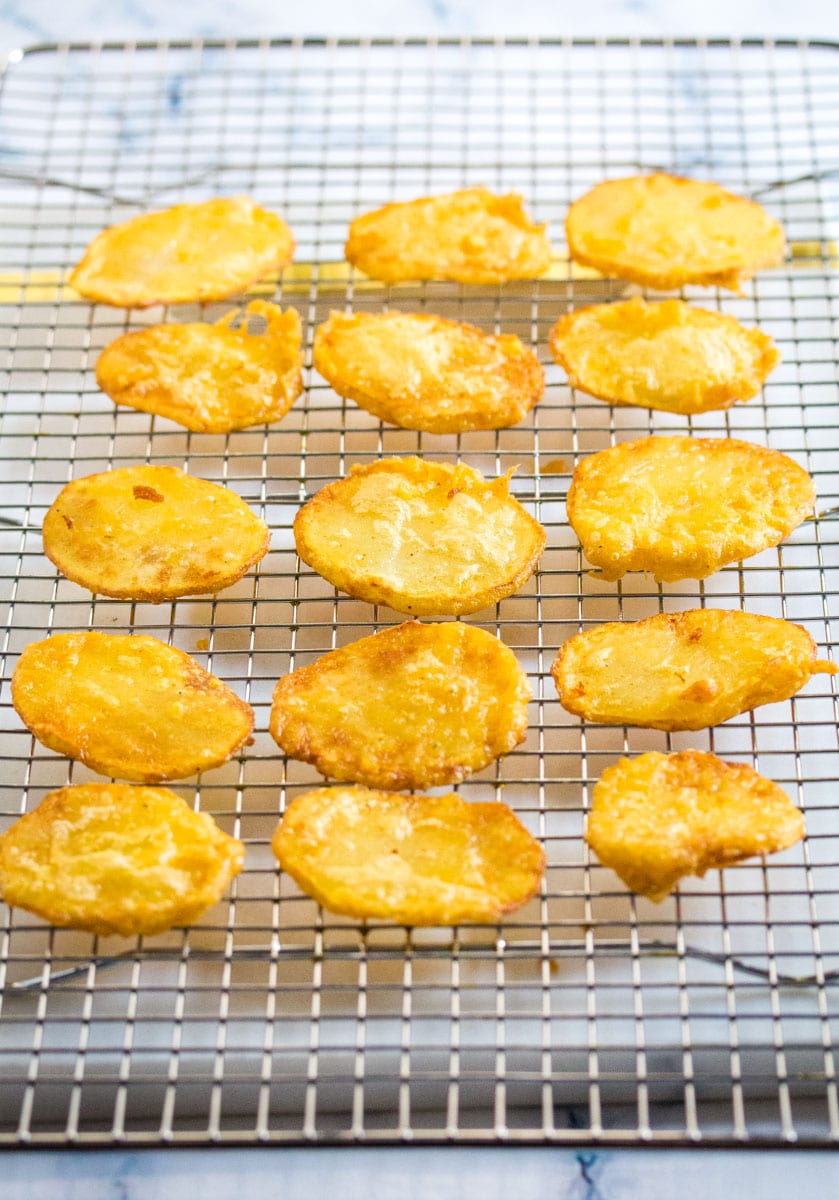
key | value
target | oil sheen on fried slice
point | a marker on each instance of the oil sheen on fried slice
(192, 252)
(682, 507)
(422, 372)
(209, 378)
(416, 860)
(470, 236)
(683, 670)
(659, 817)
(114, 858)
(411, 707)
(152, 533)
(131, 707)
(425, 538)
(666, 355)
(664, 232)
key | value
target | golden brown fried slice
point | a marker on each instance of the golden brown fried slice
(429, 539)
(471, 236)
(192, 252)
(664, 232)
(152, 533)
(415, 860)
(209, 378)
(668, 356)
(423, 372)
(684, 670)
(411, 707)
(131, 707)
(661, 816)
(682, 507)
(112, 858)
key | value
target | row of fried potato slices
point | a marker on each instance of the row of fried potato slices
(658, 230)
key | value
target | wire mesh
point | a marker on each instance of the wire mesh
(590, 1014)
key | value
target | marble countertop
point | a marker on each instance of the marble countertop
(366, 1173)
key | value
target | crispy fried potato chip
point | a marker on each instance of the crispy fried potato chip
(152, 533)
(664, 232)
(131, 707)
(684, 670)
(429, 539)
(112, 858)
(658, 817)
(192, 252)
(669, 356)
(410, 707)
(471, 236)
(683, 507)
(415, 860)
(209, 378)
(423, 372)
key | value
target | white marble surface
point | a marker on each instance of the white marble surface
(365, 1174)
(23, 23)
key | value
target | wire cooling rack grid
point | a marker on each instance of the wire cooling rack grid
(590, 1014)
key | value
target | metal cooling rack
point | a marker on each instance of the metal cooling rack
(590, 1014)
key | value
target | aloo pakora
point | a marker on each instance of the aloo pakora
(116, 859)
(130, 707)
(411, 707)
(665, 232)
(666, 355)
(470, 236)
(209, 378)
(682, 507)
(423, 372)
(425, 538)
(659, 817)
(152, 533)
(684, 670)
(192, 252)
(415, 860)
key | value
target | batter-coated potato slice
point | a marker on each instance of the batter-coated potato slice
(112, 858)
(414, 860)
(152, 533)
(665, 232)
(683, 507)
(209, 378)
(131, 707)
(411, 707)
(192, 252)
(423, 372)
(471, 236)
(684, 670)
(666, 355)
(659, 817)
(425, 538)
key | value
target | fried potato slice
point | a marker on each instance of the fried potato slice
(192, 252)
(684, 670)
(428, 539)
(659, 817)
(209, 378)
(683, 507)
(152, 533)
(112, 858)
(423, 372)
(663, 232)
(411, 707)
(666, 355)
(131, 707)
(415, 860)
(470, 236)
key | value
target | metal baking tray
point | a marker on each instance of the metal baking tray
(590, 1015)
